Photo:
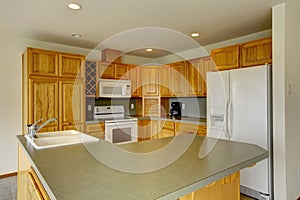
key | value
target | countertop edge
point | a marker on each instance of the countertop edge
(41, 178)
(200, 184)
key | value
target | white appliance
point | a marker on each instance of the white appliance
(239, 109)
(114, 88)
(118, 128)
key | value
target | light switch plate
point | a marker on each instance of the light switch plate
(131, 106)
(89, 107)
(183, 106)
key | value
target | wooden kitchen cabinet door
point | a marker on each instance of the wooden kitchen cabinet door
(144, 130)
(41, 62)
(257, 52)
(164, 81)
(205, 66)
(151, 106)
(226, 58)
(178, 79)
(121, 71)
(134, 73)
(71, 65)
(107, 70)
(43, 101)
(150, 81)
(71, 105)
(193, 77)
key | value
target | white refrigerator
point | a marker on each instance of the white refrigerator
(239, 109)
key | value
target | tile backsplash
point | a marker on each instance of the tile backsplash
(194, 107)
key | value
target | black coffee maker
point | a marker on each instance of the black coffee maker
(175, 110)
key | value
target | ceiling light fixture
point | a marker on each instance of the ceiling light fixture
(74, 6)
(75, 35)
(195, 34)
(149, 50)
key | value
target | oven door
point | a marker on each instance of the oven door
(121, 132)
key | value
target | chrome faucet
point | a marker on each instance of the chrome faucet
(34, 128)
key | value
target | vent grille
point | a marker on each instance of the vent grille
(254, 194)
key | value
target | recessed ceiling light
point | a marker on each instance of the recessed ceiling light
(195, 34)
(149, 50)
(75, 35)
(74, 6)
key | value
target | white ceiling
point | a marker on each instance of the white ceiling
(98, 20)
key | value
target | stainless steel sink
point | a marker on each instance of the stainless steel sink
(59, 138)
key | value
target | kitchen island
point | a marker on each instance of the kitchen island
(72, 172)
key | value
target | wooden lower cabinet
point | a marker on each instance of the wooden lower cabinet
(29, 185)
(227, 188)
(95, 130)
(166, 129)
(198, 129)
(181, 128)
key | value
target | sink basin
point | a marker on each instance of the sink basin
(59, 138)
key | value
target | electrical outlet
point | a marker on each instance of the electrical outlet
(89, 107)
(183, 106)
(132, 106)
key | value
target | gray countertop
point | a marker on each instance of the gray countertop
(72, 172)
(183, 119)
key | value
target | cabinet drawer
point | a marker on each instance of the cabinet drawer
(95, 128)
(99, 135)
(167, 125)
(165, 133)
(201, 130)
(185, 128)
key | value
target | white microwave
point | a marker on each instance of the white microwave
(114, 88)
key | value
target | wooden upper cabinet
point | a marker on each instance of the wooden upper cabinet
(71, 66)
(178, 79)
(205, 66)
(257, 52)
(193, 77)
(43, 101)
(135, 77)
(150, 81)
(71, 105)
(226, 58)
(164, 81)
(107, 70)
(113, 70)
(42, 62)
(121, 71)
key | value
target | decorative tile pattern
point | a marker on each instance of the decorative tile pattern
(90, 77)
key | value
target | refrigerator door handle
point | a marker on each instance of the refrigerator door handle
(227, 121)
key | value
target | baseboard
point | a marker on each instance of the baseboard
(8, 175)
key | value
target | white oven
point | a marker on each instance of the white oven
(114, 88)
(118, 128)
(121, 131)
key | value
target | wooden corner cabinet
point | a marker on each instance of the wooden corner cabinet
(53, 86)
(256, 52)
